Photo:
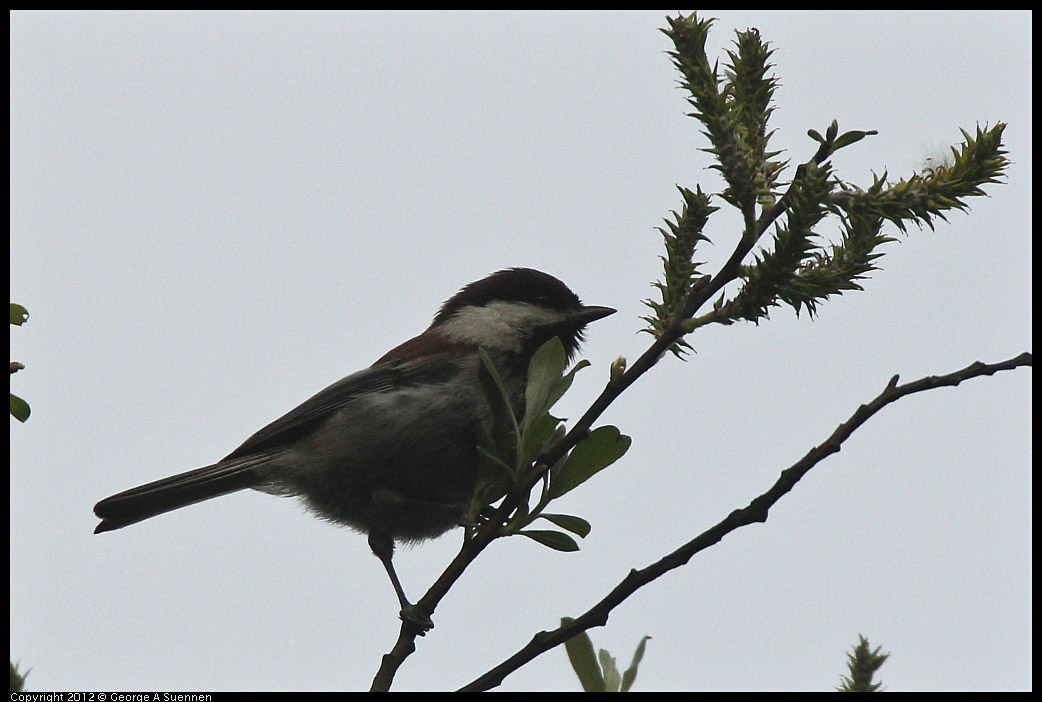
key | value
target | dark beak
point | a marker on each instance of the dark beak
(591, 313)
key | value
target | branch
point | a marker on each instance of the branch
(756, 511)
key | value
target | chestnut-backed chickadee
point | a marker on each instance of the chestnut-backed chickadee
(391, 450)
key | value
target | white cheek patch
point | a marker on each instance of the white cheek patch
(498, 325)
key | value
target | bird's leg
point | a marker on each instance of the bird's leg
(383, 547)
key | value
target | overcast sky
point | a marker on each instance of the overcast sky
(215, 215)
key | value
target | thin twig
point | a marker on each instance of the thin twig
(755, 512)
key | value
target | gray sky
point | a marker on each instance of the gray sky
(213, 216)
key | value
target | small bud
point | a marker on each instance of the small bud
(833, 131)
(558, 434)
(618, 367)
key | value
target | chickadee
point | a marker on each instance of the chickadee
(391, 451)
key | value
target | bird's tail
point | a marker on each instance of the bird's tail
(134, 505)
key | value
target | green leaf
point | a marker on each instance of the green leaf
(546, 384)
(851, 137)
(537, 436)
(631, 673)
(19, 408)
(816, 136)
(544, 372)
(494, 374)
(600, 449)
(19, 314)
(552, 539)
(502, 392)
(577, 525)
(610, 671)
(583, 660)
(832, 131)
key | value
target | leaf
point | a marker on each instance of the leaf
(19, 408)
(577, 525)
(816, 136)
(537, 436)
(19, 314)
(496, 380)
(544, 372)
(600, 449)
(546, 384)
(631, 673)
(556, 540)
(501, 390)
(832, 131)
(583, 660)
(610, 671)
(851, 137)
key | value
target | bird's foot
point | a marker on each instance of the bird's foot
(418, 620)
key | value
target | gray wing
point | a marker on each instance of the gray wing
(313, 412)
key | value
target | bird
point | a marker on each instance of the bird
(391, 451)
